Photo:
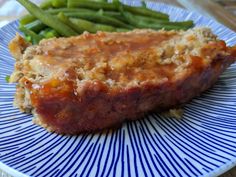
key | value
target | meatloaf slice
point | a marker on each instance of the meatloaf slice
(95, 81)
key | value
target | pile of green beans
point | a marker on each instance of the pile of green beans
(58, 18)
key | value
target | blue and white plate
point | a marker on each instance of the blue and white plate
(203, 143)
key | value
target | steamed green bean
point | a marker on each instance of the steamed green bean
(49, 33)
(35, 26)
(27, 19)
(154, 21)
(161, 25)
(92, 27)
(115, 7)
(30, 18)
(54, 18)
(91, 5)
(59, 3)
(65, 10)
(35, 38)
(48, 19)
(46, 4)
(98, 18)
(67, 21)
(145, 12)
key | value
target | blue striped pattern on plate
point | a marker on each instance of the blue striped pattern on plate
(203, 143)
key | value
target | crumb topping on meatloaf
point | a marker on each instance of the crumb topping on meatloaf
(117, 59)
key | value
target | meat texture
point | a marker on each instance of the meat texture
(96, 81)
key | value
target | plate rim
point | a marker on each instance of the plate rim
(11, 171)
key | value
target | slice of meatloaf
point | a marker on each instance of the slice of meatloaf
(95, 81)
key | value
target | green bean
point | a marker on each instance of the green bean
(35, 26)
(91, 16)
(67, 21)
(116, 15)
(48, 19)
(101, 27)
(7, 79)
(84, 25)
(49, 33)
(99, 0)
(100, 12)
(52, 33)
(142, 11)
(34, 37)
(91, 27)
(26, 19)
(162, 25)
(129, 18)
(115, 1)
(91, 4)
(65, 10)
(147, 20)
(30, 18)
(115, 7)
(182, 24)
(98, 18)
(113, 14)
(46, 4)
(28, 38)
(59, 3)
(145, 12)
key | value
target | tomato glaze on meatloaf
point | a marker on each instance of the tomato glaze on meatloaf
(96, 81)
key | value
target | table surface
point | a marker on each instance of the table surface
(229, 4)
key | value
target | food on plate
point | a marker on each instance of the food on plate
(66, 18)
(96, 81)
